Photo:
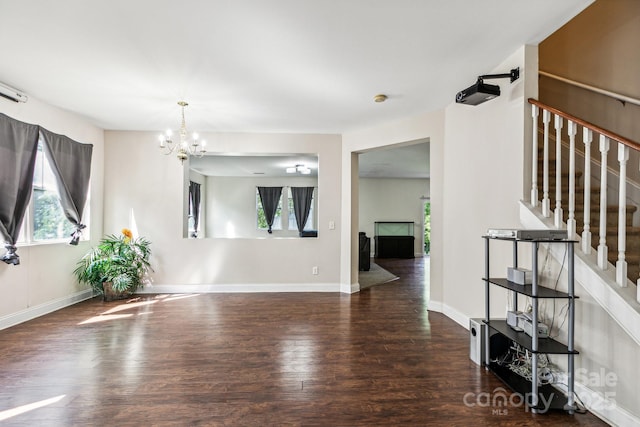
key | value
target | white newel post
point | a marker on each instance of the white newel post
(602, 246)
(546, 204)
(557, 219)
(587, 137)
(571, 220)
(621, 264)
(534, 158)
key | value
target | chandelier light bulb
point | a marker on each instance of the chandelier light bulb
(183, 148)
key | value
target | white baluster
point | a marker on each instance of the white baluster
(558, 220)
(621, 264)
(603, 262)
(587, 137)
(571, 220)
(534, 158)
(546, 204)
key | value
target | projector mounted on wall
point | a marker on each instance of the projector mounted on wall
(12, 94)
(481, 92)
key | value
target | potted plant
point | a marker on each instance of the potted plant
(116, 267)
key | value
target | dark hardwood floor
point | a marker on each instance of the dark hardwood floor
(375, 358)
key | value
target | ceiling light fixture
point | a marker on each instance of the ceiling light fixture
(301, 169)
(184, 148)
(380, 97)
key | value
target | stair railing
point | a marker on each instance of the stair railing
(605, 137)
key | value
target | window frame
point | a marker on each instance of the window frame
(278, 220)
(291, 217)
(26, 236)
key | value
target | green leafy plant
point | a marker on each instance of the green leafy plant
(121, 260)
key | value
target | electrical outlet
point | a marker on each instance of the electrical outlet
(314, 270)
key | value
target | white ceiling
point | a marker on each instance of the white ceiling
(253, 165)
(411, 161)
(261, 65)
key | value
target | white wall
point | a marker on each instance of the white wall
(483, 174)
(424, 127)
(393, 200)
(44, 279)
(152, 192)
(231, 205)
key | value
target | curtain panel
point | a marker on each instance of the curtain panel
(302, 199)
(194, 206)
(71, 165)
(18, 149)
(270, 196)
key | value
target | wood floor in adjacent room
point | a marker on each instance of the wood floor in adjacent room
(375, 358)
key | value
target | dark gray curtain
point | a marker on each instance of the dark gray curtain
(71, 165)
(18, 149)
(302, 198)
(270, 196)
(194, 206)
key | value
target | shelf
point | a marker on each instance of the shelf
(522, 386)
(513, 239)
(528, 289)
(545, 345)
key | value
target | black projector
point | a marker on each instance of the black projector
(477, 93)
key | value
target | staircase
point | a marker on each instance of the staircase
(555, 142)
(632, 253)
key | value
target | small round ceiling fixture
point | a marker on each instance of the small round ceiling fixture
(380, 98)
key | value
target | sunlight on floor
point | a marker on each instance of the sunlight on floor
(134, 303)
(4, 415)
(127, 306)
(104, 318)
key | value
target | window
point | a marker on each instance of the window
(293, 224)
(262, 219)
(45, 220)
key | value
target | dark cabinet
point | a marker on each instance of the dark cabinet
(394, 246)
(394, 239)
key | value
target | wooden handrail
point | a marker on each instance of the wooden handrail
(611, 135)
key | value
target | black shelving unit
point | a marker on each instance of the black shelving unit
(540, 397)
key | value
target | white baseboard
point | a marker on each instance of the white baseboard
(453, 314)
(45, 308)
(239, 288)
(604, 408)
(350, 289)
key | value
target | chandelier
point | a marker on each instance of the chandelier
(185, 147)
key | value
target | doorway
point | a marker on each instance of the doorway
(392, 184)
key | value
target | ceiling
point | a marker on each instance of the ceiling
(253, 164)
(309, 66)
(410, 161)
